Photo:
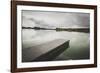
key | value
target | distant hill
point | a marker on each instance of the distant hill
(60, 29)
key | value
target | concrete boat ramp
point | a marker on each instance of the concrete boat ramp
(45, 52)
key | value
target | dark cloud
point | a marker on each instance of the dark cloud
(55, 19)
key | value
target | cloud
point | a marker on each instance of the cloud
(55, 19)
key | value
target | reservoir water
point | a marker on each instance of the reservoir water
(37, 42)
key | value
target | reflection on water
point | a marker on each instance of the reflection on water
(79, 43)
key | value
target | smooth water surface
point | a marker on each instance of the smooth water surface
(37, 42)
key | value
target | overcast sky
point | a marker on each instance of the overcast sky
(54, 19)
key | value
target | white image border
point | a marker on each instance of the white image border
(53, 63)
